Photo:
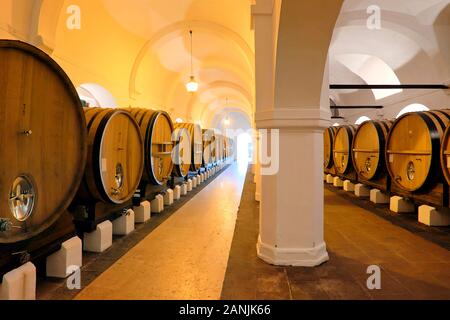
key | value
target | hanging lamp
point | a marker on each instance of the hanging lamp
(192, 85)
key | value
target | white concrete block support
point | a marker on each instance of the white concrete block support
(99, 240)
(378, 197)
(362, 191)
(337, 182)
(168, 197)
(401, 205)
(61, 263)
(291, 213)
(349, 186)
(189, 185)
(330, 179)
(19, 284)
(194, 182)
(433, 217)
(157, 205)
(177, 193)
(142, 213)
(124, 225)
(184, 189)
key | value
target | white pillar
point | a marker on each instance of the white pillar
(257, 167)
(292, 96)
(291, 210)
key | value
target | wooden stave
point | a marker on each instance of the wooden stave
(382, 128)
(181, 170)
(147, 118)
(331, 131)
(92, 188)
(436, 122)
(207, 145)
(29, 53)
(443, 156)
(350, 130)
(191, 127)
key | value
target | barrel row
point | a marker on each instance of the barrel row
(413, 150)
(57, 153)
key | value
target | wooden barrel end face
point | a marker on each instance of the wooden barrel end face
(44, 133)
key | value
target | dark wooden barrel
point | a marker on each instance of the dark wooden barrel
(413, 149)
(182, 144)
(328, 138)
(43, 141)
(156, 130)
(369, 145)
(195, 133)
(209, 147)
(342, 145)
(115, 156)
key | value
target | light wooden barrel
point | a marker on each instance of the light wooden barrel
(182, 144)
(209, 147)
(115, 156)
(226, 147)
(195, 132)
(219, 147)
(369, 145)
(328, 138)
(445, 154)
(342, 145)
(413, 149)
(156, 130)
(43, 141)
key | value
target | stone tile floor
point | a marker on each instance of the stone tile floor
(411, 266)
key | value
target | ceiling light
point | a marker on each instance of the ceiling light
(192, 85)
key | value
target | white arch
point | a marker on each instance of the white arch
(415, 107)
(362, 119)
(95, 93)
(372, 70)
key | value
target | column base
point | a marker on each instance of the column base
(300, 257)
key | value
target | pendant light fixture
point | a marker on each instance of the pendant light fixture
(192, 85)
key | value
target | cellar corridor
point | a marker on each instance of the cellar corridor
(411, 267)
(186, 256)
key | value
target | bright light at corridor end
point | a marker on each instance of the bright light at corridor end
(179, 120)
(192, 86)
(244, 152)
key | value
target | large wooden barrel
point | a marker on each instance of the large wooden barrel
(342, 146)
(156, 130)
(413, 149)
(195, 132)
(328, 138)
(209, 147)
(219, 147)
(43, 141)
(445, 154)
(115, 156)
(369, 145)
(182, 161)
